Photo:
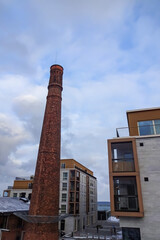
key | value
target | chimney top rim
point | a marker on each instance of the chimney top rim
(56, 66)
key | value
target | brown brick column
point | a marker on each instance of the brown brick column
(45, 195)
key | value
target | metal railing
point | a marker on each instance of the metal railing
(151, 129)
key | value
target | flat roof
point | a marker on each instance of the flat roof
(143, 136)
(143, 109)
(71, 159)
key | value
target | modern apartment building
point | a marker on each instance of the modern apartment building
(78, 195)
(22, 188)
(134, 171)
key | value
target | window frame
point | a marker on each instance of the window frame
(65, 177)
(63, 165)
(64, 199)
(65, 208)
(64, 188)
(153, 127)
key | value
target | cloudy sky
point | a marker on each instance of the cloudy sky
(110, 51)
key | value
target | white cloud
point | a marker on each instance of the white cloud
(110, 54)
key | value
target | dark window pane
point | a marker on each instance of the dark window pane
(77, 186)
(132, 203)
(71, 208)
(62, 225)
(131, 233)
(72, 186)
(72, 172)
(131, 189)
(125, 194)
(71, 197)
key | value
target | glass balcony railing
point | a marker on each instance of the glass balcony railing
(123, 165)
(143, 128)
(126, 203)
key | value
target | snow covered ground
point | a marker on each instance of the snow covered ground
(113, 219)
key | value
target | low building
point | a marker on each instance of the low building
(22, 188)
(104, 210)
(78, 195)
(134, 169)
(11, 226)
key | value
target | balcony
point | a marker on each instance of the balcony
(125, 194)
(122, 157)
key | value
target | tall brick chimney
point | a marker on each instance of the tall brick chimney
(45, 195)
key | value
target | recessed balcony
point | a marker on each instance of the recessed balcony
(122, 157)
(125, 194)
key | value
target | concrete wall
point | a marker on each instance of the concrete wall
(69, 224)
(149, 165)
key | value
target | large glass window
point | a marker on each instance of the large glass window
(131, 233)
(125, 194)
(150, 127)
(157, 126)
(122, 157)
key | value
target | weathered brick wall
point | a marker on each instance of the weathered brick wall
(45, 195)
(15, 227)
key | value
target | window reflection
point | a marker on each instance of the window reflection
(150, 127)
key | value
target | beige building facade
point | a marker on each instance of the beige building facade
(134, 170)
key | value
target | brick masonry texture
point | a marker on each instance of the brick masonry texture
(45, 195)
(15, 226)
